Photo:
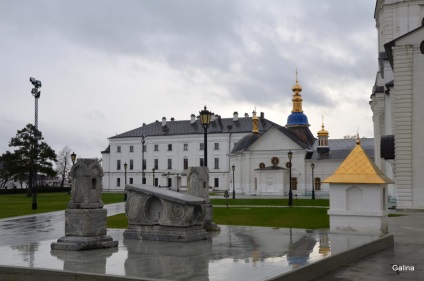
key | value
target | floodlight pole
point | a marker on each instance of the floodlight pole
(36, 93)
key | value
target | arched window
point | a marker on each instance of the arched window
(317, 183)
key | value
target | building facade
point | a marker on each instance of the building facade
(246, 155)
(397, 99)
(170, 147)
(261, 159)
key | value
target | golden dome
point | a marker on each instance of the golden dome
(323, 132)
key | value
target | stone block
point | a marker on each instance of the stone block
(85, 222)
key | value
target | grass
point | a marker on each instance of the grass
(308, 218)
(395, 215)
(271, 202)
(117, 221)
(12, 205)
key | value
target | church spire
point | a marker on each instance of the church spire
(297, 118)
(255, 123)
(297, 98)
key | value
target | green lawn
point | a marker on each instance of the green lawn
(308, 218)
(12, 205)
(271, 202)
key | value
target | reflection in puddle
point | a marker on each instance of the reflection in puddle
(237, 253)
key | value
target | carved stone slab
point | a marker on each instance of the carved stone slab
(87, 185)
(160, 214)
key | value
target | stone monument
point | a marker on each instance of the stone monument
(358, 195)
(85, 218)
(197, 185)
(163, 215)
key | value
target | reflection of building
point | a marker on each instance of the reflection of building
(301, 250)
(397, 99)
(324, 245)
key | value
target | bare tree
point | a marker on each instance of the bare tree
(64, 164)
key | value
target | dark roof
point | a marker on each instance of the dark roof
(245, 142)
(304, 134)
(300, 135)
(184, 127)
(340, 148)
(107, 150)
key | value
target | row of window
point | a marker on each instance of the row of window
(156, 180)
(156, 147)
(156, 164)
(317, 183)
(216, 182)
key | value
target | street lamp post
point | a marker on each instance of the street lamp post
(313, 181)
(153, 180)
(205, 120)
(125, 180)
(143, 179)
(36, 93)
(234, 186)
(290, 155)
(167, 180)
(73, 158)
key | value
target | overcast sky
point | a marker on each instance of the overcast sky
(107, 67)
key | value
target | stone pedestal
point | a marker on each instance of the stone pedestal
(85, 222)
(85, 218)
(163, 215)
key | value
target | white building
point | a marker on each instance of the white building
(171, 147)
(256, 147)
(397, 99)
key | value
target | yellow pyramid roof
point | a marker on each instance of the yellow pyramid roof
(358, 168)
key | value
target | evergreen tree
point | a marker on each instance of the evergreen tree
(32, 153)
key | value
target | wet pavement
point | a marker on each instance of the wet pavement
(235, 253)
(406, 255)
